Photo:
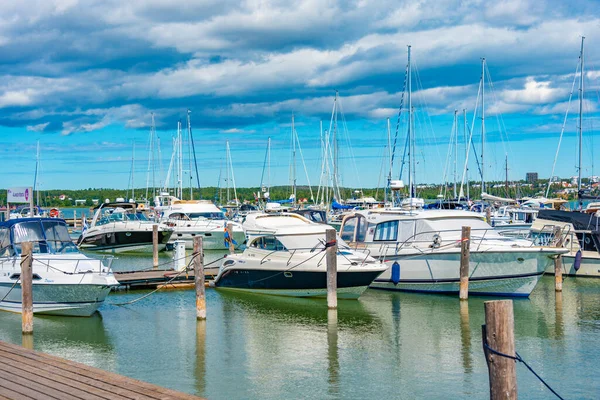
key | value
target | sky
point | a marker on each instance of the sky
(84, 79)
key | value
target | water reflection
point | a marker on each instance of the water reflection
(200, 365)
(333, 365)
(465, 336)
(27, 342)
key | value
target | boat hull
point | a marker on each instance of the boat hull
(56, 299)
(350, 285)
(589, 267)
(491, 273)
(124, 241)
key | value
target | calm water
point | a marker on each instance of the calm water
(386, 345)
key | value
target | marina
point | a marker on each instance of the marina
(299, 200)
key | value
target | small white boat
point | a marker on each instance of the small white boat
(423, 249)
(285, 256)
(190, 218)
(65, 281)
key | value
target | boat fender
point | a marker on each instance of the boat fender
(395, 272)
(577, 262)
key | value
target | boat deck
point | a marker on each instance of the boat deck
(28, 374)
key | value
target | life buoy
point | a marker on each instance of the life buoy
(54, 213)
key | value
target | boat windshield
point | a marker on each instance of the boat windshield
(120, 216)
(47, 237)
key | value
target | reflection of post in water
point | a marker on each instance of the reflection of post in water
(27, 341)
(200, 365)
(333, 366)
(558, 315)
(465, 336)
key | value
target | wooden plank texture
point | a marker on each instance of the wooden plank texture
(27, 374)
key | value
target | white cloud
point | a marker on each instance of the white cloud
(38, 127)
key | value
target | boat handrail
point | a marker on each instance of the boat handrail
(101, 267)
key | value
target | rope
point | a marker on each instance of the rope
(518, 358)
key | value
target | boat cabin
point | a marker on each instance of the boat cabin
(48, 235)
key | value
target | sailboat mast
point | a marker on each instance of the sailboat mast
(506, 175)
(389, 143)
(293, 161)
(482, 123)
(133, 170)
(466, 147)
(455, 149)
(227, 168)
(580, 121)
(179, 162)
(336, 187)
(37, 162)
(410, 132)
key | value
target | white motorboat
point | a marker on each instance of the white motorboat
(65, 281)
(190, 218)
(122, 227)
(423, 248)
(581, 237)
(285, 256)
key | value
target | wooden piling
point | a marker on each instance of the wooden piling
(155, 246)
(199, 279)
(488, 215)
(74, 219)
(26, 288)
(558, 278)
(500, 336)
(230, 232)
(465, 255)
(331, 257)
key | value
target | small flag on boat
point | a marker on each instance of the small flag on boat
(84, 225)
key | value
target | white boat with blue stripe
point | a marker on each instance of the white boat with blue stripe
(422, 249)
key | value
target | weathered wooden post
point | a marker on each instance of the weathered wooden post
(230, 233)
(331, 257)
(499, 335)
(74, 219)
(26, 288)
(465, 255)
(488, 215)
(155, 246)
(558, 278)
(199, 278)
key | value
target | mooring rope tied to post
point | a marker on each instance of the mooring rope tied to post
(517, 357)
(186, 270)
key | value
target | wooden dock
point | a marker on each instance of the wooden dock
(153, 278)
(28, 374)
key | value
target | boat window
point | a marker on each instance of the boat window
(207, 215)
(5, 249)
(58, 239)
(361, 232)
(386, 231)
(30, 231)
(348, 229)
(268, 243)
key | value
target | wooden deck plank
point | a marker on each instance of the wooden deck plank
(7, 394)
(43, 386)
(53, 374)
(24, 391)
(113, 384)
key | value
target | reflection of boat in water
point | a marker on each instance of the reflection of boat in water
(286, 257)
(80, 339)
(65, 281)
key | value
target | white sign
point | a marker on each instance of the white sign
(19, 195)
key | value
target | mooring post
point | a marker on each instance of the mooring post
(199, 278)
(331, 257)
(74, 219)
(558, 278)
(498, 333)
(230, 233)
(26, 288)
(465, 255)
(155, 246)
(488, 215)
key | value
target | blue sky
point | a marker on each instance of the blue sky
(83, 78)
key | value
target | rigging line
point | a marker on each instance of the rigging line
(470, 141)
(398, 120)
(562, 131)
(194, 152)
(264, 163)
(305, 170)
(347, 137)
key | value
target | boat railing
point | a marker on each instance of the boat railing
(435, 240)
(92, 265)
(213, 224)
(314, 249)
(547, 236)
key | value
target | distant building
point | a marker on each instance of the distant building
(531, 177)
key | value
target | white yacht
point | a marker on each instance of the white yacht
(65, 281)
(423, 249)
(286, 256)
(122, 227)
(190, 218)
